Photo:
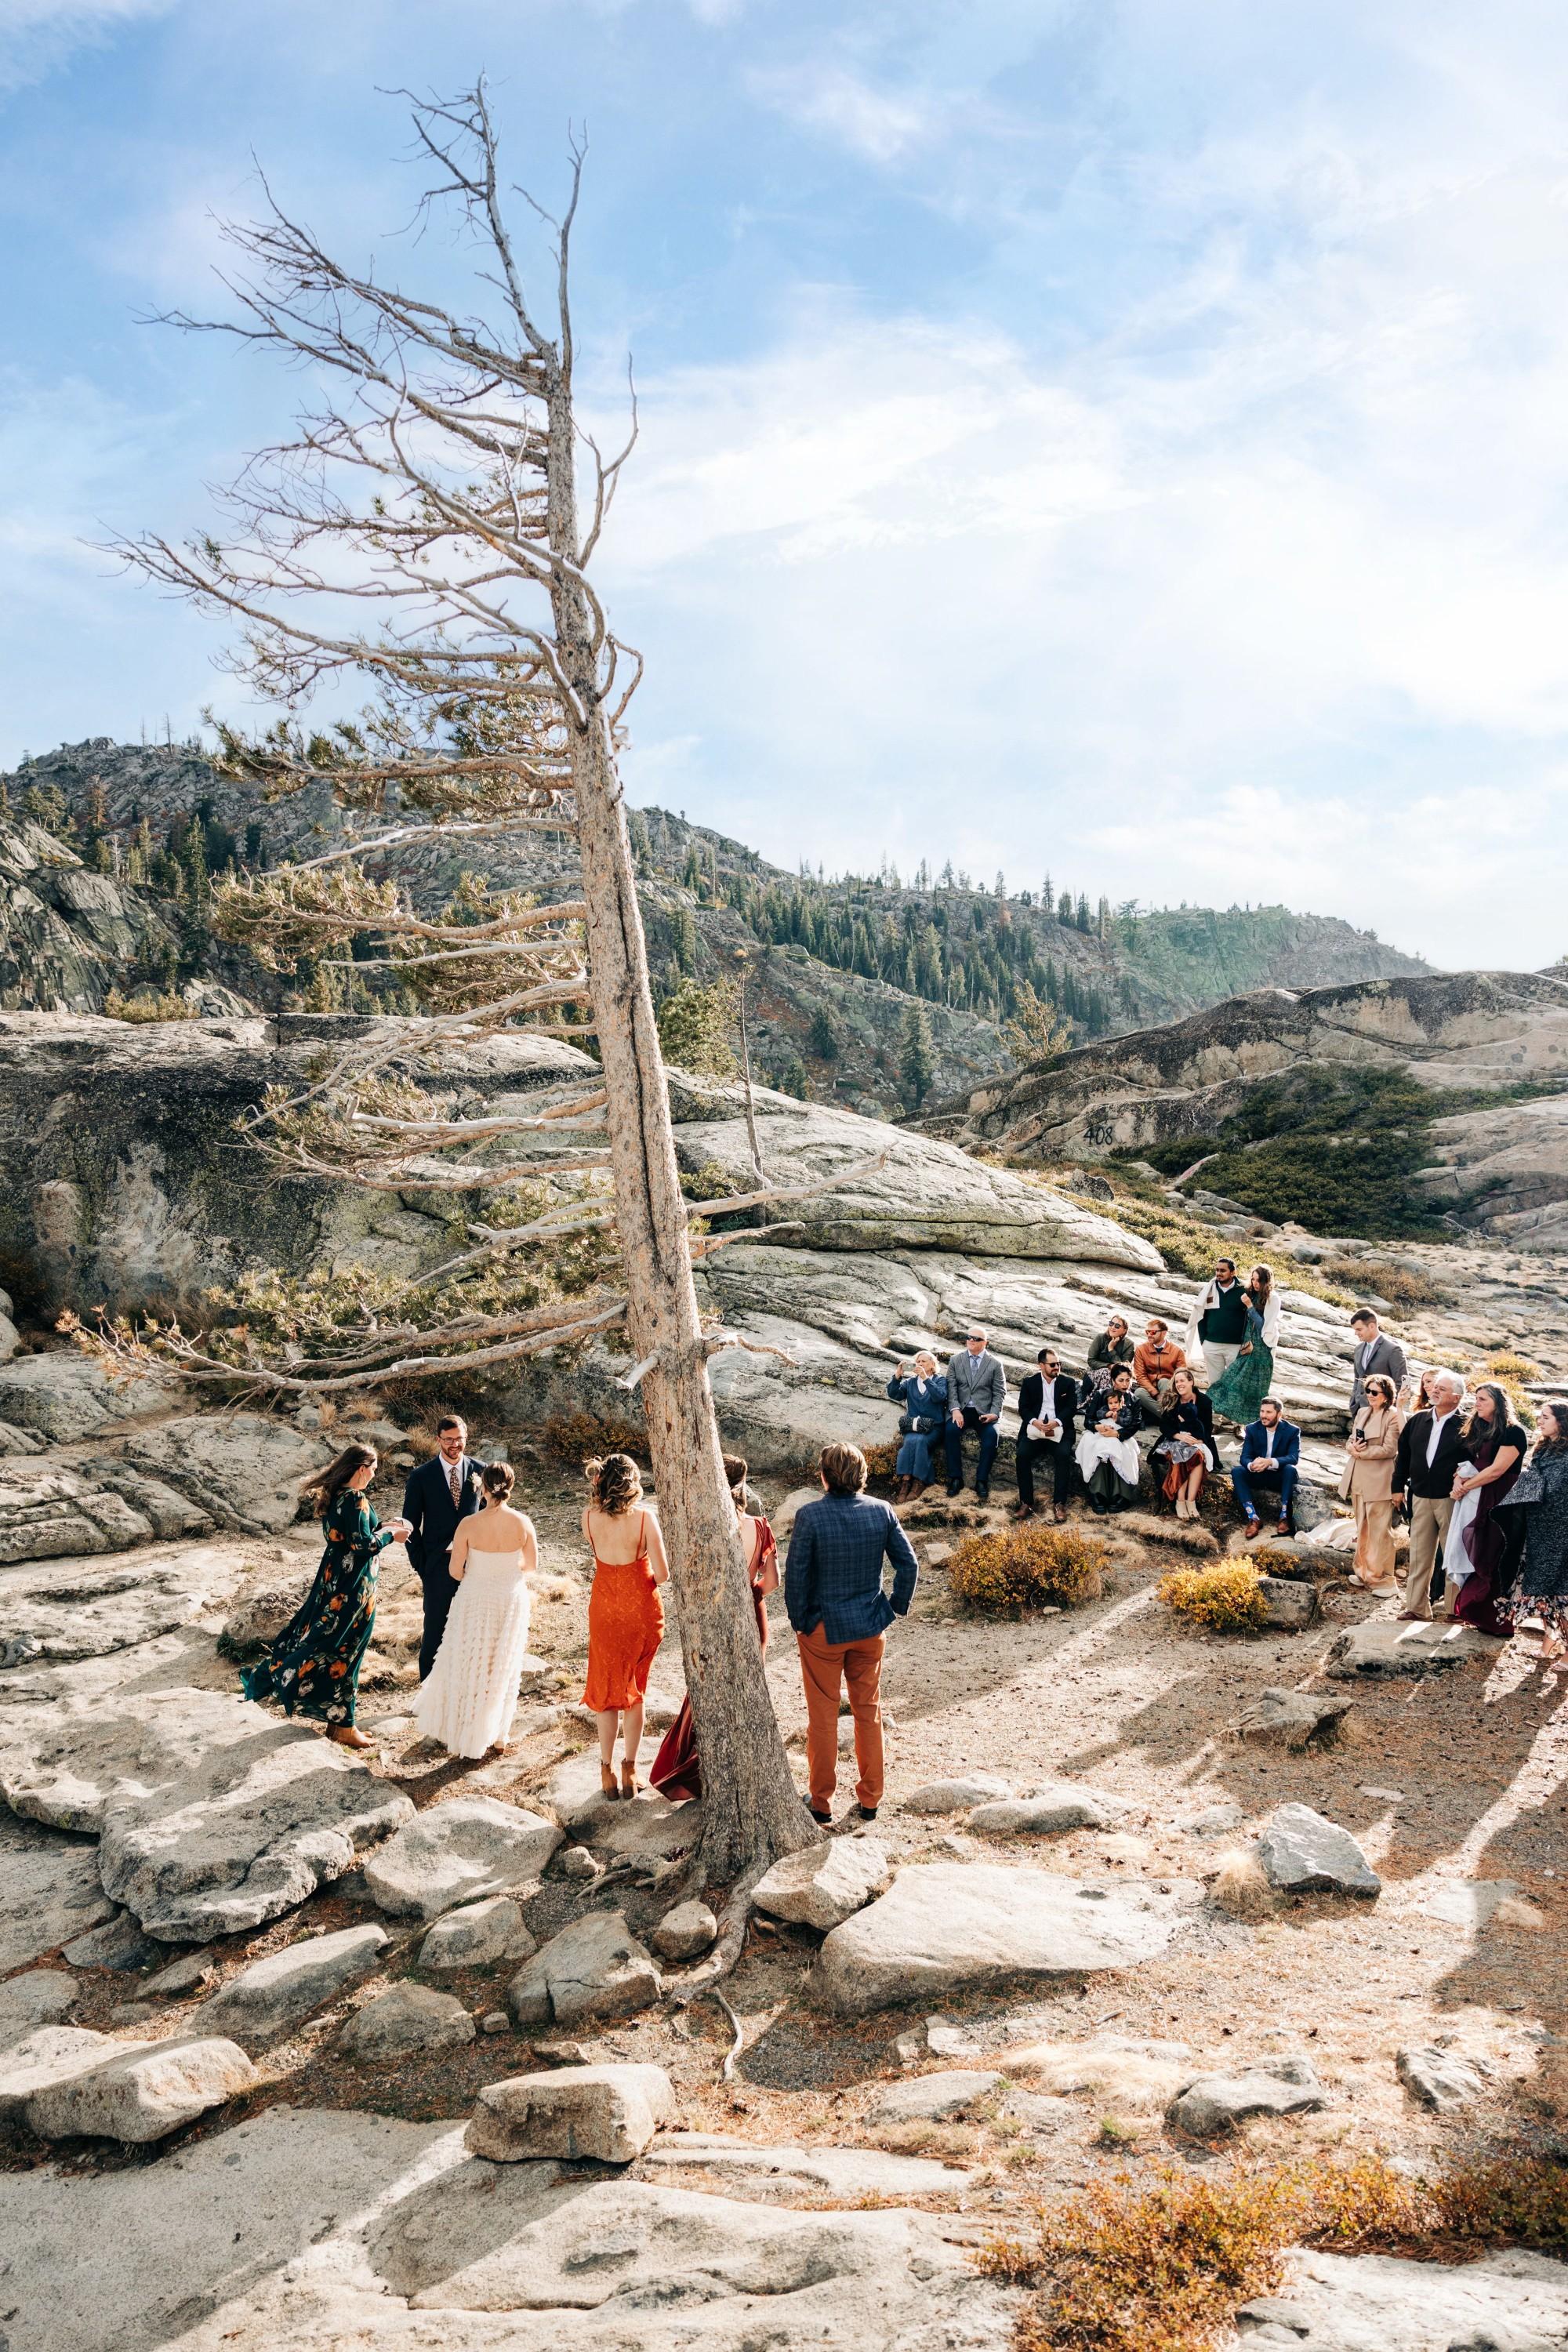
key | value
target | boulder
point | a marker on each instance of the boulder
(59, 1764)
(49, 2055)
(409, 2021)
(820, 1885)
(593, 1969)
(1213, 1820)
(754, 2170)
(41, 1997)
(143, 2094)
(279, 1991)
(947, 1926)
(478, 1935)
(1511, 2302)
(59, 1615)
(1211, 2104)
(608, 2113)
(454, 1851)
(69, 1395)
(247, 1830)
(685, 1932)
(1061, 1805)
(1293, 1719)
(1384, 1645)
(118, 1943)
(1441, 2078)
(957, 1796)
(53, 1891)
(1302, 1852)
(935, 2098)
(1288, 1607)
(650, 1829)
(261, 1614)
(188, 1974)
(245, 1469)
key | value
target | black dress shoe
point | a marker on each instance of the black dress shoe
(954, 1490)
(825, 1819)
(983, 1494)
(865, 1812)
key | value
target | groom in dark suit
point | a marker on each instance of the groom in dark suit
(438, 1494)
(1047, 1402)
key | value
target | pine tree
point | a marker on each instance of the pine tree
(917, 1057)
(1064, 907)
(683, 939)
(822, 1039)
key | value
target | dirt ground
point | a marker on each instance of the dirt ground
(1452, 1778)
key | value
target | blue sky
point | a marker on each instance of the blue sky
(1130, 439)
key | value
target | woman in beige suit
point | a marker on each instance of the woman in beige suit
(1374, 1442)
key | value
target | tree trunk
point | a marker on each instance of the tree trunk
(751, 1812)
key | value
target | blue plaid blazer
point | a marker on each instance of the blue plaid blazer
(833, 1576)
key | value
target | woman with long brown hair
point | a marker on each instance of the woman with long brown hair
(470, 1698)
(312, 1667)
(625, 1615)
(676, 1769)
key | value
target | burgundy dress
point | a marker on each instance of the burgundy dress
(676, 1771)
(1480, 1599)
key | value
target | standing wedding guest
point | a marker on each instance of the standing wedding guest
(840, 1614)
(977, 1392)
(470, 1697)
(1155, 1362)
(1183, 1451)
(1375, 1352)
(1473, 1550)
(1270, 1465)
(676, 1770)
(1048, 1402)
(625, 1615)
(1536, 1512)
(313, 1665)
(1217, 1324)
(1431, 1447)
(1110, 1347)
(1107, 1453)
(439, 1493)
(1238, 1395)
(923, 1397)
(1369, 1483)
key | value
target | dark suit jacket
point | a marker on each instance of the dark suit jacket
(1387, 1357)
(1287, 1443)
(1031, 1395)
(1411, 1474)
(428, 1505)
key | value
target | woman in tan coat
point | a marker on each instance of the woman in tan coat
(1374, 1442)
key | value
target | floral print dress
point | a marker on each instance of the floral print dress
(313, 1665)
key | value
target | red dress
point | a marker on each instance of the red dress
(677, 1772)
(625, 1626)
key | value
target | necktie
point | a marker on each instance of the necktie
(455, 1480)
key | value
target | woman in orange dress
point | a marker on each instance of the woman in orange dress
(625, 1615)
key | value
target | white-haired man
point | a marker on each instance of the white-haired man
(1431, 1447)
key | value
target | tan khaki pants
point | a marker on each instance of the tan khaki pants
(1428, 1526)
(824, 1667)
(1375, 1541)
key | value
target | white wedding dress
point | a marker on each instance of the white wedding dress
(470, 1698)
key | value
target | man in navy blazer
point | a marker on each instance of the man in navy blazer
(1270, 1465)
(438, 1494)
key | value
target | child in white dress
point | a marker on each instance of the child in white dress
(470, 1697)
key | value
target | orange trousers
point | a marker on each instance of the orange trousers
(824, 1667)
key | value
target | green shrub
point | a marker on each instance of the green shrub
(1402, 1286)
(1225, 1598)
(1005, 1574)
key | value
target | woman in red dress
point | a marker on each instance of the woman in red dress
(625, 1615)
(676, 1771)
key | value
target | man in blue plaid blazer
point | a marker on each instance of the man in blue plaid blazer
(832, 1593)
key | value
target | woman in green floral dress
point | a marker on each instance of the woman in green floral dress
(313, 1665)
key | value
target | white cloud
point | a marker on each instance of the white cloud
(880, 125)
(37, 35)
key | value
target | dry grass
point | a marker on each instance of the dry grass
(1029, 1567)
(573, 1438)
(1224, 1598)
(1162, 2266)
(1510, 1371)
(147, 1005)
(880, 1458)
(1369, 1277)
(1239, 1888)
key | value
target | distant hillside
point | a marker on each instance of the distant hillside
(836, 963)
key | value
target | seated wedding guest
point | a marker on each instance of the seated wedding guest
(676, 1770)
(1110, 1347)
(1155, 1361)
(1184, 1452)
(1368, 1484)
(1473, 1547)
(923, 1396)
(1269, 1467)
(840, 1614)
(1047, 1403)
(1107, 1453)
(977, 1392)
(1537, 1513)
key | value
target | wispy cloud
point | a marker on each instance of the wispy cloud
(37, 35)
(878, 124)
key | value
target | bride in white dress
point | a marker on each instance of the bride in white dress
(470, 1700)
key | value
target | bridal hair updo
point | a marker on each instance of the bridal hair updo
(322, 1487)
(616, 1482)
(498, 1480)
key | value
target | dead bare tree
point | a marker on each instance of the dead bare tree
(423, 530)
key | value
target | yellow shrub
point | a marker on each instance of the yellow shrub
(1027, 1567)
(147, 1005)
(1510, 1371)
(1224, 1599)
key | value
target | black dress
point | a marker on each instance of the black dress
(313, 1665)
(1536, 1513)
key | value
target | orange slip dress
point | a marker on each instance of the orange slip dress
(625, 1626)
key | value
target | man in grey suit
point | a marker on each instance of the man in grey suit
(1375, 1352)
(977, 1392)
